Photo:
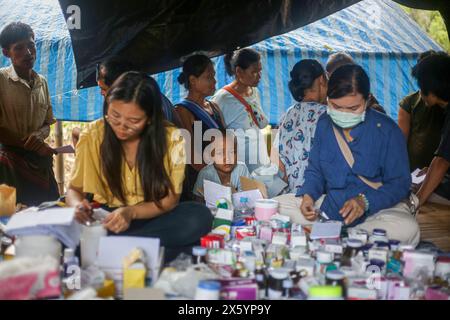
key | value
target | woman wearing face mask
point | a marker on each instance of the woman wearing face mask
(133, 161)
(241, 106)
(359, 163)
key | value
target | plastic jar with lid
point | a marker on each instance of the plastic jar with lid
(365, 249)
(199, 255)
(276, 277)
(375, 265)
(207, 290)
(352, 249)
(323, 259)
(335, 278)
(378, 235)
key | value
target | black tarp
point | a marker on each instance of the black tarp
(155, 34)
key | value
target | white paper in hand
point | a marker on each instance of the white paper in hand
(415, 178)
(214, 191)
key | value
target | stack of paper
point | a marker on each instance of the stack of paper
(57, 222)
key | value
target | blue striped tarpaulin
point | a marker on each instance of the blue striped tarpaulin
(377, 33)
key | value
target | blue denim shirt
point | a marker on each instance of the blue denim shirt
(380, 153)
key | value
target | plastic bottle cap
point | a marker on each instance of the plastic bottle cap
(209, 285)
(68, 253)
(324, 257)
(377, 262)
(335, 275)
(288, 284)
(199, 251)
(381, 244)
(325, 292)
(330, 267)
(367, 247)
(354, 243)
(394, 244)
(379, 232)
(279, 273)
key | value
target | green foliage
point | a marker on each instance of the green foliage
(432, 23)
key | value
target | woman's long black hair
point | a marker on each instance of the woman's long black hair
(141, 89)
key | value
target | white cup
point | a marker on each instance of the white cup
(89, 242)
(265, 209)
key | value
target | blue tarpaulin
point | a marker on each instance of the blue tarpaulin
(377, 33)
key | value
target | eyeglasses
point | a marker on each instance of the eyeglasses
(130, 127)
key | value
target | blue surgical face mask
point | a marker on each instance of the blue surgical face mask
(346, 119)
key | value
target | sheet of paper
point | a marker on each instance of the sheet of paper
(251, 195)
(326, 230)
(248, 184)
(214, 191)
(65, 149)
(415, 178)
(31, 218)
(112, 250)
(57, 222)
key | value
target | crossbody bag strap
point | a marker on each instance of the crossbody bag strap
(345, 149)
(247, 106)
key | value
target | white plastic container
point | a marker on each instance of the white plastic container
(207, 290)
(37, 246)
(265, 209)
(89, 242)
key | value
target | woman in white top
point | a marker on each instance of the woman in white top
(241, 106)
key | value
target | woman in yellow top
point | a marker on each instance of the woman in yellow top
(133, 162)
